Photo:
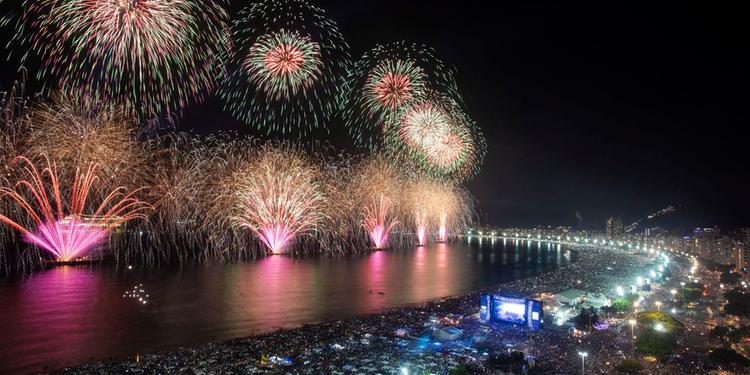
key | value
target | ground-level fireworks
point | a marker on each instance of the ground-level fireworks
(66, 228)
(377, 187)
(280, 198)
(379, 221)
(66, 239)
(233, 198)
(113, 73)
(437, 208)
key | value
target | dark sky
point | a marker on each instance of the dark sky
(602, 108)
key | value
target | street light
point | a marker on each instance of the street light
(632, 328)
(658, 305)
(620, 291)
(673, 292)
(583, 361)
(659, 327)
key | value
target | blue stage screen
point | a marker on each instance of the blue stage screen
(511, 310)
(485, 308)
(536, 314)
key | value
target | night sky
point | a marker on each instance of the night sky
(589, 109)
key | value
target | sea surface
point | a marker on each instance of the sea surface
(72, 315)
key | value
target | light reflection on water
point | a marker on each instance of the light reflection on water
(70, 315)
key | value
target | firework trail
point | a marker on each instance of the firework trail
(13, 130)
(378, 222)
(384, 80)
(341, 226)
(226, 162)
(436, 204)
(75, 130)
(13, 124)
(150, 55)
(453, 208)
(61, 227)
(280, 199)
(286, 68)
(377, 187)
(421, 227)
(176, 182)
(420, 203)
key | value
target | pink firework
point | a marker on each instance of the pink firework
(442, 228)
(276, 236)
(63, 227)
(421, 222)
(279, 198)
(66, 239)
(376, 222)
(421, 235)
(390, 85)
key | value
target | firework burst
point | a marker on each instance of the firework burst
(386, 79)
(283, 64)
(150, 55)
(280, 198)
(66, 228)
(435, 137)
(287, 65)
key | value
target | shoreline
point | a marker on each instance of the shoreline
(376, 331)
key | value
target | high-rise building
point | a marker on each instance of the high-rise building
(743, 252)
(739, 251)
(724, 251)
(705, 241)
(687, 244)
(614, 227)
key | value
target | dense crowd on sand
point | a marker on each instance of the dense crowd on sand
(397, 339)
(596, 270)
